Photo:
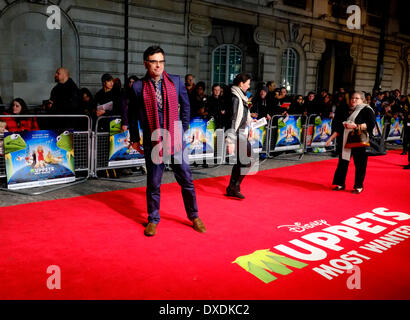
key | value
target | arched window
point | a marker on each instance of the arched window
(288, 70)
(226, 63)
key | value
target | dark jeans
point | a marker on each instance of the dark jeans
(360, 162)
(183, 176)
(237, 171)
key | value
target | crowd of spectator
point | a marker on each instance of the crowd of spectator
(269, 100)
(266, 100)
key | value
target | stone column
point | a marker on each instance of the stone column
(198, 29)
(265, 39)
(317, 47)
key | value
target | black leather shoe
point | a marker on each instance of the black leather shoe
(407, 167)
(338, 188)
(403, 153)
(150, 230)
(199, 225)
(357, 190)
(235, 194)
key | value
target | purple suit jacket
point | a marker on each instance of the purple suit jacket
(137, 113)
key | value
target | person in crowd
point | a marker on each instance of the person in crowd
(1, 101)
(158, 95)
(297, 106)
(198, 101)
(87, 104)
(339, 104)
(284, 97)
(368, 98)
(260, 105)
(406, 124)
(189, 83)
(216, 107)
(323, 93)
(226, 96)
(359, 116)
(108, 103)
(128, 100)
(16, 124)
(237, 136)
(310, 103)
(386, 94)
(108, 99)
(378, 102)
(117, 84)
(325, 107)
(64, 99)
(271, 95)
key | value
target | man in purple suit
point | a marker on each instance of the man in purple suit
(158, 97)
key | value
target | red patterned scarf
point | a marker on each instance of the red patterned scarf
(170, 107)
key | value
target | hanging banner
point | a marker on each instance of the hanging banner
(396, 129)
(121, 152)
(380, 125)
(289, 133)
(321, 132)
(39, 158)
(200, 138)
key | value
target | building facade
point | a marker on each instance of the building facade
(305, 45)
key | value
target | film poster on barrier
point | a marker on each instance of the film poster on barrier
(289, 133)
(120, 151)
(200, 138)
(257, 135)
(39, 158)
(396, 129)
(322, 131)
(380, 124)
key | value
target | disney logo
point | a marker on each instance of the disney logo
(298, 227)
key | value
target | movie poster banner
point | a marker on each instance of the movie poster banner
(200, 138)
(257, 137)
(321, 132)
(120, 151)
(289, 133)
(380, 125)
(39, 158)
(396, 129)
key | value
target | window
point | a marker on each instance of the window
(226, 63)
(296, 3)
(339, 8)
(288, 70)
(375, 9)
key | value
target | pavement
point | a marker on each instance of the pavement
(138, 179)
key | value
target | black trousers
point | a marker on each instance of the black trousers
(360, 162)
(406, 137)
(238, 170)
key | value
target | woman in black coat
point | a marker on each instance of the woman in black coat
(237, 136)
(359, 115)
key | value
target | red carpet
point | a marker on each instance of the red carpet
(98, 244)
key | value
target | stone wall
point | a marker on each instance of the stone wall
(92, 41)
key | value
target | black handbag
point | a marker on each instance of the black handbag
(357, 139)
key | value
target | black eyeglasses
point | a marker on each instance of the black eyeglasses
(156, 61)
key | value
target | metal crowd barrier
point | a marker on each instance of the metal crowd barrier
(283, 152)
(310, 146)
(100, 156)
(82, 147)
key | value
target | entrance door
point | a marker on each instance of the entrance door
(335, 70)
